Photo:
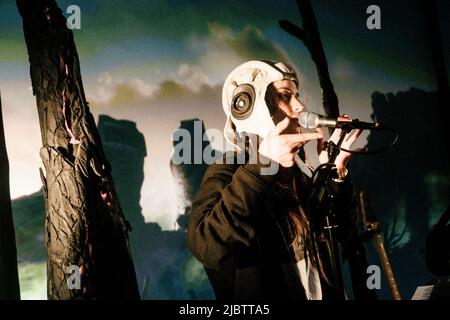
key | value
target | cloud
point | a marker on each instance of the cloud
(192, 77)
(223, 48)
(250, 43)
(143, 88)
(189, 82)
(105, 78)
(170, 89)
(176, 19)
(125, 94)
(105, 23)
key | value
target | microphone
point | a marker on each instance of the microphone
(311, 120)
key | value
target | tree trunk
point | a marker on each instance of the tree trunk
(9, 278)
(86, 231)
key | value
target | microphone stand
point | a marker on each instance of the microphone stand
(321, 188)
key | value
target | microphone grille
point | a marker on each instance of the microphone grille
(308, 120)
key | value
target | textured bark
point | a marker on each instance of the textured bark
(9, 279)
(85, 225)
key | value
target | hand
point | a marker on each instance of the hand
(343, 157)
(283, 148)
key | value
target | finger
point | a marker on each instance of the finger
(281, 126)
(302, 137)
(288, 160)
(353, 137)
(320, 141)
(287, 163)
(344, 118)
(294, 150)
(320, 131)
(335, 135)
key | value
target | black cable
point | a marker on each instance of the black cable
(323, 165)
(375, 151)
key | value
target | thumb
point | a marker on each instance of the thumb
(320, 131)
(281, 126)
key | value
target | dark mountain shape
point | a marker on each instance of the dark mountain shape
(125, 147)
(29, 219)
(411, 177)
(162, 261)
(188, 176)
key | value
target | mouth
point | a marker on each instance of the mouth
(293, 127)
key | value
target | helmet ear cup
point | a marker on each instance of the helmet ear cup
(243, 102)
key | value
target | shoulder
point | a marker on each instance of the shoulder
(227, 165)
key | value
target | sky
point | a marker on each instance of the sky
(162, 61)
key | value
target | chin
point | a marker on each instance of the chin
(294, 129)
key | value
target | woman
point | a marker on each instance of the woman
(252, 230)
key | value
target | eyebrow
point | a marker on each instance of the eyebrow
(284, 87)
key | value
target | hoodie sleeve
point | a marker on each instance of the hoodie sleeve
(224, 213)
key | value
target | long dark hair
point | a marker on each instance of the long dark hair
(291, 187)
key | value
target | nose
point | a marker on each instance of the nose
(296, 106)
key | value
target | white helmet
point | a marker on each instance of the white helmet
(243, 97)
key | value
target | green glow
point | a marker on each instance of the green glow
(194, 273)
(33, 281)
(438, 186)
